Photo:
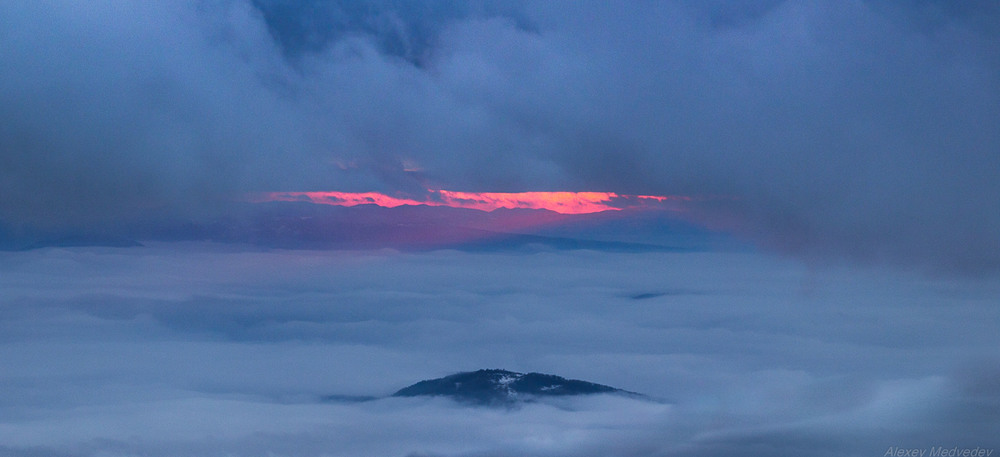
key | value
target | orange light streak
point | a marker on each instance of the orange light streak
(560, 202)
(338, 198)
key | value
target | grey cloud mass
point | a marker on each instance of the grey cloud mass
(853, 129)
(208, 350)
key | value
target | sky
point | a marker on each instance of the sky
(798, 252)
(860, 130)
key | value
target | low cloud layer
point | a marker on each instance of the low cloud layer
(176, 350)
(845, 129)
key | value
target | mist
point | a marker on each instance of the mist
(201, 349)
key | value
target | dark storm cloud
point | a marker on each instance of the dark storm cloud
(855, 129)
(408, 30)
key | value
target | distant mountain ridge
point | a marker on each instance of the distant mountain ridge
(303, 225)
(496, 387)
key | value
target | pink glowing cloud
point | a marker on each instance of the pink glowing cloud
(559, 202)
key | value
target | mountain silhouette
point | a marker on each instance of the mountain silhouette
(501, 387)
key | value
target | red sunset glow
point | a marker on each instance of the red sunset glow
(560, 202)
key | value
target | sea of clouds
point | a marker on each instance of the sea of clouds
(198, 349)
